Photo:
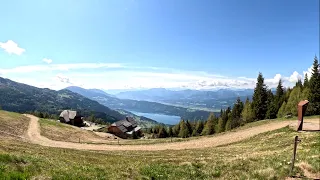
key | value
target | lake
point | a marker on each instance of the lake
(162, 118)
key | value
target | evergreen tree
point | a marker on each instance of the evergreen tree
(184, 132)
(228, 124)
(176, 130)
(305, 94)
(198, 129)
(314, 84)
(299, 83)
(163, 132)
(281, 112)
(209, 126)
(259, 100)
(220, 127)
(279, 96)
(236, 113)
(295, 97)
(306, 81)
(272, 111)
(189, 126)
(170, 132)
(247, 112)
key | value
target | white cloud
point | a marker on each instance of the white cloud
(295, 77)
(119, 76)
(12, 47)
(46, 60)
(59, 67)
(308, 72)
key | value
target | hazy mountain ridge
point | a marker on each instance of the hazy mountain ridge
(141, 106)
(202, 99)
(23, 98)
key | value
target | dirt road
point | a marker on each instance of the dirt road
(33, 134)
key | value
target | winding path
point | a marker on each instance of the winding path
(33, 134)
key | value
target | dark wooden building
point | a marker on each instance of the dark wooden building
(125, 128)
(71, 117)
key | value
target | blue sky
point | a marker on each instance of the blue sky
(119, 44)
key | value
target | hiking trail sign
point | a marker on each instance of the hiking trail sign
(302, 107)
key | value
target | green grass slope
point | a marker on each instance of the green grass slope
(265, 156)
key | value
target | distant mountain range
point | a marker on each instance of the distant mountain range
(23, 98)
(210, 100)
(139, 105)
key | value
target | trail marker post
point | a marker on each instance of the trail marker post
(296, 140)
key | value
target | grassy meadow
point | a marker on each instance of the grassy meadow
(265, 156)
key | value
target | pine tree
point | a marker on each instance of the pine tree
(236, 113)
(176, 130)
(259, 100)
(228, 124)
(279, 96)
(314, 84)
(198, 129)
(162, 132)
(247, 112)
(209, 126)
(281, 112)
(299, 83)
(272, 111)
(189, 126)
(184, 132)
(170, 132)
(306, 81)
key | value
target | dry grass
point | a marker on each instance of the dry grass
(63, 132)
(13, 124)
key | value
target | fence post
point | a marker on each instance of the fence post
(296, 140)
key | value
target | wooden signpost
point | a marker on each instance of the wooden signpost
(302, 107)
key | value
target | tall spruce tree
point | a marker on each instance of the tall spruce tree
(228, 124)
(259, 99)
(209, 126)
(236, 113)
(170, 132)
(198, 129)
(247, 112)
(306, 81)
(189, 126)
(299, 83)
(162, 132)
(272, 111)
(184, 132)
(279, 96)
(314, 84)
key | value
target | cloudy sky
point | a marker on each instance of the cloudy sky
(129, 44)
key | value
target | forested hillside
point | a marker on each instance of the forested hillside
(264, 105)
(23, 98)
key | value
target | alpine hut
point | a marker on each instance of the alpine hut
(71, 117)
(125, 128)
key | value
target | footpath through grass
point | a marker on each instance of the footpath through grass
(265, 156)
